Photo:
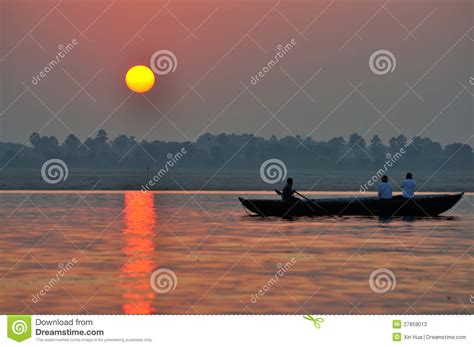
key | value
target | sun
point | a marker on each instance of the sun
(140, 78)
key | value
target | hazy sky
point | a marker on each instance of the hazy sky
(219, 46)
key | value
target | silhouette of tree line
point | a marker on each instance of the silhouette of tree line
(237, 151)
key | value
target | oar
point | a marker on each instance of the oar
(304, 197)
(312, 202)
(307, 199)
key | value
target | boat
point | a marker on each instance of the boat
(420, 205)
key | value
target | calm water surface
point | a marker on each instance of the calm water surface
(222, 257)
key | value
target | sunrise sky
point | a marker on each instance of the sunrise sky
(219, 46)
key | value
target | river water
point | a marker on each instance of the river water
(199, 252)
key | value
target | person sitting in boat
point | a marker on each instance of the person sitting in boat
(385, 189)
(288, 191)
(408, 186)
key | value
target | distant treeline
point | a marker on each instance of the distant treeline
(237, 151)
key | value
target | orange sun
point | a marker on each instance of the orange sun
(140, 78)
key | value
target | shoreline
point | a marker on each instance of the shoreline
(231, 180)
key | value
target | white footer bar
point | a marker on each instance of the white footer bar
(236, 330)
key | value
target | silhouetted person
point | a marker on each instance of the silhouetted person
(288, 191)
(385, 189)
(408, 186)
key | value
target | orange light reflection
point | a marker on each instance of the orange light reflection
(139, 250)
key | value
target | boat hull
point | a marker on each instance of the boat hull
(421, 205)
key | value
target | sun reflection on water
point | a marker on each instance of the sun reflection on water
(139, 250)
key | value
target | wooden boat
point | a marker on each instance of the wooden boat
(420, 205)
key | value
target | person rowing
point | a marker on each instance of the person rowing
(288, 192)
